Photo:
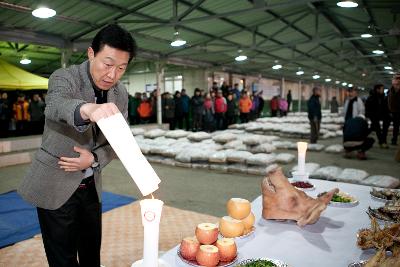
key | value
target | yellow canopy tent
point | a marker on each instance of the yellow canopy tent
(14, 78)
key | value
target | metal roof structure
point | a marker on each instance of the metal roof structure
(312, 35)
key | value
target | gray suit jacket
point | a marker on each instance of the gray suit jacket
(46, 185)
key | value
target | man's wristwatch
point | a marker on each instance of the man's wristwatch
(95, 163)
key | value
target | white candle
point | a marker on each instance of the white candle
(301, 157)
(151, 215)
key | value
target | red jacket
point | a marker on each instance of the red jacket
(220, 105)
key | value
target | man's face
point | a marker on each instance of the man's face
(396, 81)
(352, 93)
(107, 66)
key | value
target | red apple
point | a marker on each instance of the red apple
(206, 233)
(189, 248)
(227, 249)
(208, 256)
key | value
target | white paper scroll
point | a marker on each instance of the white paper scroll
(120, 137)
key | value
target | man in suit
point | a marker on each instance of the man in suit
(64, 180)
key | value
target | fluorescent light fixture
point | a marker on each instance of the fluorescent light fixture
(378, 52)
(366, 35)
(344, 83)
(347, 4)
(44, 12)
(300, 72)
(277, 67)
(328, 80)
(363, 74)
(337, 82)
(350, 85)
(25, 60)
(241, 58)
(316, 76)
(388, 68)
(177, 40)
(391, 72)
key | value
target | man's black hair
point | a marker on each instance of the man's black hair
(377, 86)
(116, 37)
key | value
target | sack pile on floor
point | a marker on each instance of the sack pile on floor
(235, 150)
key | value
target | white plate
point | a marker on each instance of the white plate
(278, 263)
(242, 237)
(303, 189)
(357, 264)
(194, 263)
(344, 204)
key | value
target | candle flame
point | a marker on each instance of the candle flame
(152, 197)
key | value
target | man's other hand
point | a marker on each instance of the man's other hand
(83, 162)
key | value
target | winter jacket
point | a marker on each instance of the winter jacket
(185, 103)
(144, 109)
(358, 107)
(355, 130)
(36, 109)
(21, 111)
(133, 104)
(178, 107)
(220, 105)
(231, 107)
(314, 108)
(197, 105)
(274, 104)
(376, 107)
(168, 108)
(245, 105)
(394, 100)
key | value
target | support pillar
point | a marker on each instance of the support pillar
(300, 96)
(160, 88)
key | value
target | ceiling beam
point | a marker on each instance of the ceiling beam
(338, 27)
(32, 37)
(190, 10)
(212, 16)
(123, 12)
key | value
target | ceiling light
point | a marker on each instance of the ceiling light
(363, 74)
(347, 4)
(316, 76)
(366, 35)
(300, 72)
(240, 56)
(391, 72)
(378, 52)
(337, 82)
(344, 83)
(350, 85)
(177, 40)
(388, 68)
(44, 12)
(277, 67)
(328, 80)
(25, 60)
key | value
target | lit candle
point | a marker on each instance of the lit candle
(301, 157)
(151, 215)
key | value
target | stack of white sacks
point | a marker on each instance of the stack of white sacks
(236, 150)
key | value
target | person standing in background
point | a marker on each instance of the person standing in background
(231, 110)
(178, 119)
(376, 109)
(314, 114)
(168, 110)
(5, 115)
(334, 105)
(36, 109)
(283, 106)
(289, 100)
(220, 109)
(133, 104)
(197, 110)
(208, 116)
(185, 100)
(21, 114)
(274, 105)
(236, 92)
(245, 107)
(144, 109)
(394, 106)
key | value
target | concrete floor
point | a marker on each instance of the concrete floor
(207, 191)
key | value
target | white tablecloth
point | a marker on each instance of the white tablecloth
(331, 242)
